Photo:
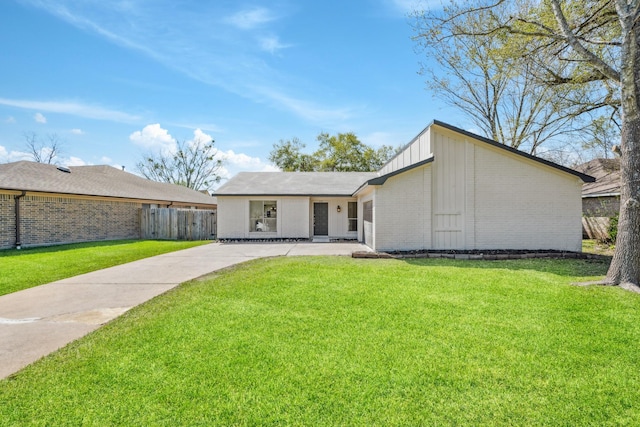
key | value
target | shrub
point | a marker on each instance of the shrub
(613, 228)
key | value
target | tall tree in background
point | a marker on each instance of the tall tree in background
(596, 43)
(193, 164)
(288, 156)
(43, 150)
(340, 153)
(601, 136)
(497, 87)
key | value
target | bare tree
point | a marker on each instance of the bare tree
(193, 164)
(493, 83)
(43, 151)
(601, 136)
(594, 43)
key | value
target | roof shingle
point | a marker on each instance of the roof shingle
(342, 184)
(105, 181)
(607, 175)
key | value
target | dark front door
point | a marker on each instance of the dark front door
(320, 219)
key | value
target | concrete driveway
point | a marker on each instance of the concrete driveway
(40, 320)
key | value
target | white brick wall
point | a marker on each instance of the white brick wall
(403, 211)
(503, 201)
(522, 205)
(233, 217)
(293, 215)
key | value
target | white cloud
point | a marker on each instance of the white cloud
(272, 44)
(153, 137)
(251, 18)
(240, 162)
(199, 136)
(38, 117)
(71, 108)
(10, 120)
(7, 156)
(77, 131)
(73, 161)
(105, 160)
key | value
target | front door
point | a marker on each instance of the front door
(320, 219)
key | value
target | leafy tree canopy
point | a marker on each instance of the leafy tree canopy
(343, 152)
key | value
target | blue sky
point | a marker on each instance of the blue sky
(115, 79)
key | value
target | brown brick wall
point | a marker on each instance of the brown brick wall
(54, 220)
(601, 206)
(7, 221)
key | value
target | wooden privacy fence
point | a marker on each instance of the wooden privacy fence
(596, 227)
(177, 224)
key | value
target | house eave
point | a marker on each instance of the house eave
(584, 177)
(99, 197)
(587, 196)
(282, 195)
(380, 180)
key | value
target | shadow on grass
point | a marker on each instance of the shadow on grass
(557, 266)
(63, 247)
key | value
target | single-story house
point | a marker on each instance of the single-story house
(600, 199)
(42, 204)
(446, 189)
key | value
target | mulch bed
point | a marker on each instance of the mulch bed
(487, 255)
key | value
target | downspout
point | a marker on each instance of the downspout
(18, 222)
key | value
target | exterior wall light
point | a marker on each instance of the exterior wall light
(339, 208)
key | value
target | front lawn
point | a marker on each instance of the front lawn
(25, 268)
(341, 341)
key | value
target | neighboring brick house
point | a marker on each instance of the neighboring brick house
(600, 199)
(53, 205)
(446, 189)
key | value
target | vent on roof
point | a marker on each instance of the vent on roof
(64, 169)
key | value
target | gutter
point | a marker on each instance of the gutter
(18, 221)
(587, 196)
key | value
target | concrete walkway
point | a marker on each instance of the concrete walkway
(40, 320)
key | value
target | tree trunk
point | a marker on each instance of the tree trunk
(625, 266)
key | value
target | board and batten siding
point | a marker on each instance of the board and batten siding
(416, 151)
(450, 187)
(473, 196)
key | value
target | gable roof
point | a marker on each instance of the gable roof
(584, 177)
(607, 174)
(104, 181)
(325, 184)
(347, 184)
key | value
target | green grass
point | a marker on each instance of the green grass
(339, 341)
(22, 269)
(594, 247)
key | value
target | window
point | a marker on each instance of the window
(263, 215)
(353, 216)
